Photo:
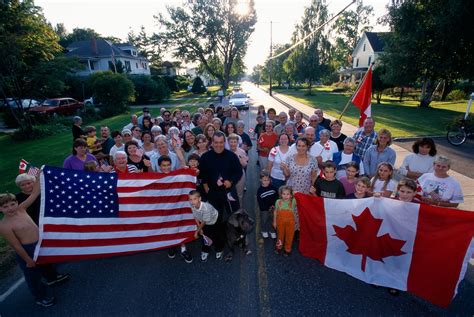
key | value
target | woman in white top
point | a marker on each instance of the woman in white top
(148, 145)
(421, 160)
(277, 156)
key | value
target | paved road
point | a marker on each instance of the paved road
(260, 284)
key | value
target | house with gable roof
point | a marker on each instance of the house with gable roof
(102, 55)
(367, 51)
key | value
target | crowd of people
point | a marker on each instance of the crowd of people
(313, 158)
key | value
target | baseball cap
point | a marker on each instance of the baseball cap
(126, 131)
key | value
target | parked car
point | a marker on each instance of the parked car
(91, 102)
(239, 100)
(237, 88)
(25, 103)
(61, 106)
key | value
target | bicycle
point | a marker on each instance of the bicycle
(458, 134)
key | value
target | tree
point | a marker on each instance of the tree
(431, 41)
(78, 34)
(212, 32)
(310, 60)
(257, 74)
(145, 88)
(349, 27)
(148, 46)
(113, 90)
(198, 86)
(279, 73)
(27, 41)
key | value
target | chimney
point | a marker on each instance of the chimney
(94, 46)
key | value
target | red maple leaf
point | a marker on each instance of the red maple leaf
(364, 240)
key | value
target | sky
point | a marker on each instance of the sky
(117, 17)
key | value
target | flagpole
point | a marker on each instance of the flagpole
(358, 87)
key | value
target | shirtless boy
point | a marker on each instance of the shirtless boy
(22, 234)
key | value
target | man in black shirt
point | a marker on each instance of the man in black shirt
(221, 170)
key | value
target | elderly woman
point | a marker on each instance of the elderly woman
(162, 149)
(265, 143)
(120, 164)
(300, 169)
(155, 131)
(233, 140)
(136, 157)
(347, 155)
(438, 187)
(276, 157)
(379, 152)
(77, 132)
(217, 123)
(336, 134)
(421, 160)
(325, 148)
(79, 156)
(290, 130)
(186, 124)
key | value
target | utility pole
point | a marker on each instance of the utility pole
(271, 60)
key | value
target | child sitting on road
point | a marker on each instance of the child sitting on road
(361, 188)
(328, 186)
(267, 194)
(284, 220)
(206, 217)
(22, 234)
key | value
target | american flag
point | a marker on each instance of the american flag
(87, 215)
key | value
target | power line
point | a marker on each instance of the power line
(316, 30)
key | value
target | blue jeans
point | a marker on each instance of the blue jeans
(277, 182)
(32, 275)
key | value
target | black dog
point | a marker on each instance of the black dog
(238, 226)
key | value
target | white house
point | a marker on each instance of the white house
(101, 55)
(367, 51)
(193, 72)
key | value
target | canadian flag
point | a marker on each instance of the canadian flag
(362, 97)
(411, 247)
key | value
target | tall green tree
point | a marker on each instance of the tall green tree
(78, 34)
(312, 57)
(148, 46)
(349, 27)
(279, 73)
(27, 41)
(431, 41)
(209, 30)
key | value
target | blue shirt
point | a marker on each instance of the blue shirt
(373, 157)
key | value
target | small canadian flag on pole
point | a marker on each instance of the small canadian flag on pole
(362, 97)
(26, 167)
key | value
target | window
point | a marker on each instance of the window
(91, 64)
(357, 62)
(134, 53)
(370, 60)
(127, 66)
(363, 48)
(136, 65)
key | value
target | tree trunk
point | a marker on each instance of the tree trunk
(401, 93)
(426, 93)
(378, 96)
(447, 87)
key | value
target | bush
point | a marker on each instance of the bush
(466, 86)
(182, 82)
(198, 86)
(171, 83)
(145, 88)
(114, 91)
(78, 87)
(162, 90)
(38, 132)
(456, 94)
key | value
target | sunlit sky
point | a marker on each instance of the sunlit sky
(118, 17)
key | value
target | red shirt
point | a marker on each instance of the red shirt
(267, 141)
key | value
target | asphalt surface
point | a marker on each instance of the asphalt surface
(261, 284)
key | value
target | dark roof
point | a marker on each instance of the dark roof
(376, 40)
(103, 48)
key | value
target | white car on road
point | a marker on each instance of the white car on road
(239, 100)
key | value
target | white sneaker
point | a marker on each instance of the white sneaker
(273, 235)
(204, 256)
(218, 255)
(264, 234)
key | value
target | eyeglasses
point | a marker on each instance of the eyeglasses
(185, 116)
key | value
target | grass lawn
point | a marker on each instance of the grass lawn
(402, 119)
